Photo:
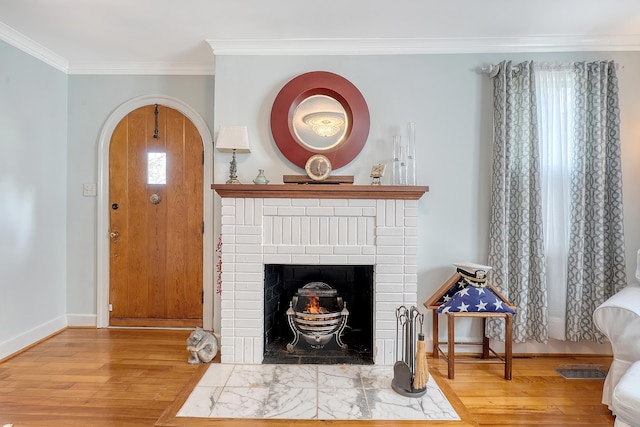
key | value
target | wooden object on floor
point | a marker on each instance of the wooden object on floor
(450, 356)
(435, 301)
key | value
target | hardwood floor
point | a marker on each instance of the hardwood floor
(123, 377)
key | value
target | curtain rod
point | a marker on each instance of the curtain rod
(492, 69)
(488, 69)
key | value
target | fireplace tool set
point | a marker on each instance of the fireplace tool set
(410, 372)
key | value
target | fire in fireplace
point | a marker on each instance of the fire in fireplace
(317, 313)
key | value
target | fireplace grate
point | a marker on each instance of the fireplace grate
(316, 314)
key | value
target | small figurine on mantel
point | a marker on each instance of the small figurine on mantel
(377, 172)
(202, 345)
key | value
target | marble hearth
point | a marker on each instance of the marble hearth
(314, 225)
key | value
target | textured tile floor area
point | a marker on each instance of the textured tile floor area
(320, 392)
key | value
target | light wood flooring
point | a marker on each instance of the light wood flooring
(126, 377)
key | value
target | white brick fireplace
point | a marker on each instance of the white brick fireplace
(314, 225)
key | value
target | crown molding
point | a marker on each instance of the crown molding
(33, 48)
(325, 46)
(38, 51)
(143, 68)
(395, 46)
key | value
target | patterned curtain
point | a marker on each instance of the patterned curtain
(596, 262)
(516, 250)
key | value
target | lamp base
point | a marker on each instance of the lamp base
(233, 170)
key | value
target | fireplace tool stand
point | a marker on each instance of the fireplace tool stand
(404, 369)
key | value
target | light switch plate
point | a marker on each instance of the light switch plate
(89, 190)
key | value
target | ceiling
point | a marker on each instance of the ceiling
(177, 36)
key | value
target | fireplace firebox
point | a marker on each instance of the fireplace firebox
(318, 314)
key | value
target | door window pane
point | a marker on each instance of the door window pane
(157, 168)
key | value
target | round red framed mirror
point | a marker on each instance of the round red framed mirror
(320, 113)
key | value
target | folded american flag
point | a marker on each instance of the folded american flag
(471, 297)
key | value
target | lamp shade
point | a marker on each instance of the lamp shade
(233, 138)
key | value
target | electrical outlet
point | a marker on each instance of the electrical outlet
(89, 190)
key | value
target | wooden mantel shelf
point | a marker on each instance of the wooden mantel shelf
(320, 191)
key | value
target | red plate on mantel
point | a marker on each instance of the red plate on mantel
(335, 87)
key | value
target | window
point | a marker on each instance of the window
(554, 93)
(157, 168)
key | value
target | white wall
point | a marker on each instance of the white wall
(33, 194)
(450, 101)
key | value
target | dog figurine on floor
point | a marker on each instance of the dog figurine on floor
(202, 345)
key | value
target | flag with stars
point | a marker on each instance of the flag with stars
(452, 291)
(471, 298)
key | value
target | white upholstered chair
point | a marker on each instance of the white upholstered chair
(619, 319)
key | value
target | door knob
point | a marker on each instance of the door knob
(114, 234)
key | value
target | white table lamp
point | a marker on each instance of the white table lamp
(232, 139)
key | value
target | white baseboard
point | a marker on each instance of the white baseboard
(81, 320)
(33, 335)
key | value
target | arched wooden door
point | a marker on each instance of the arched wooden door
(156, 220)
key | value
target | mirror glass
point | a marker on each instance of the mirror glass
(320, 122)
